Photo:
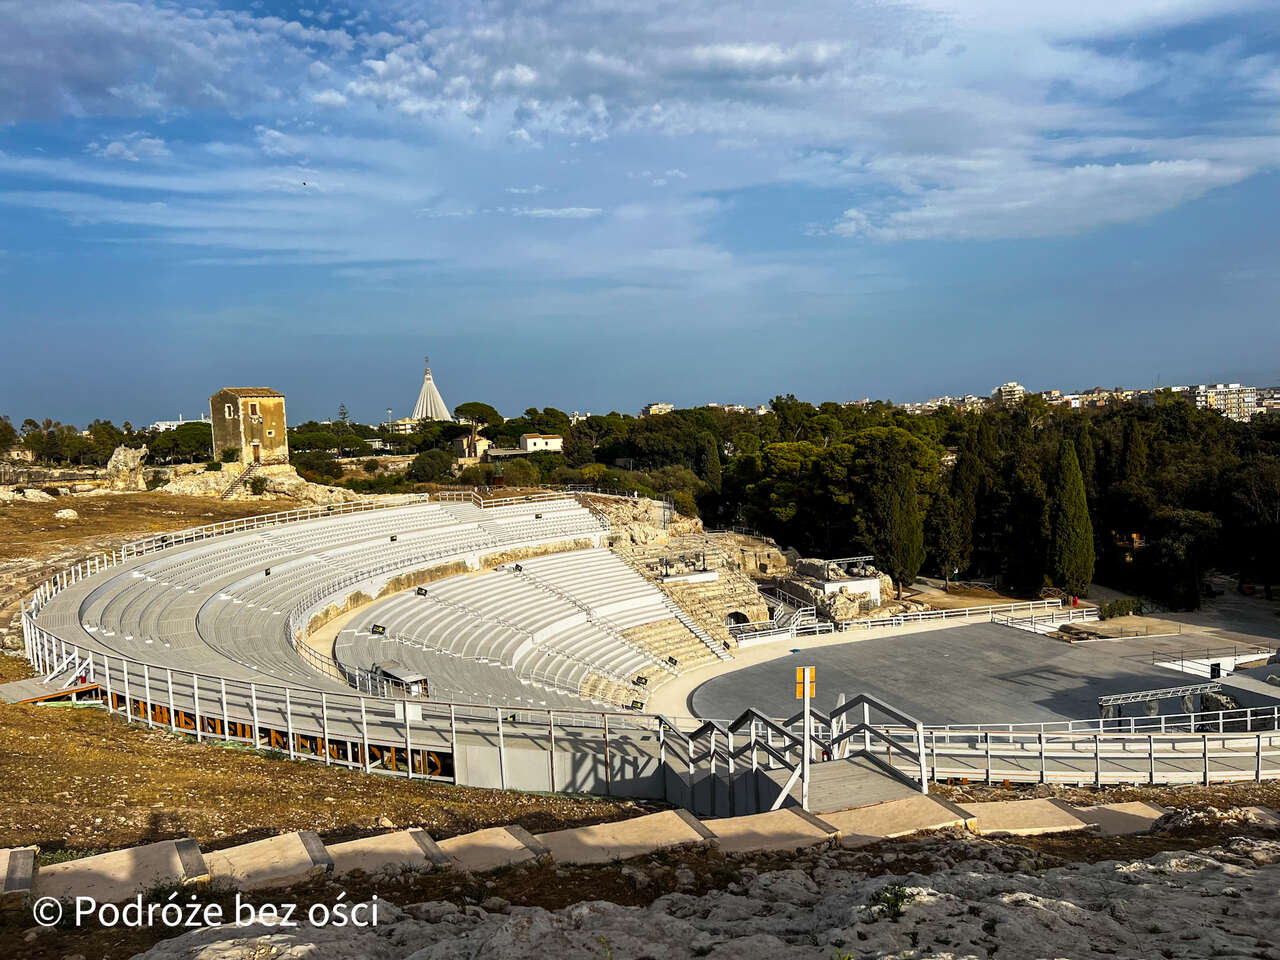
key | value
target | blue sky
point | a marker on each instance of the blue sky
(598, 203)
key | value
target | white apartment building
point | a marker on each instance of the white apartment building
(1233, 400)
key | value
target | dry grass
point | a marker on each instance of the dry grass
(78, 778)
(29, 531)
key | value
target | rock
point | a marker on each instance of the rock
(1213, 902)
(386, 823)
(66, 513)
(35, 495)
(124, 469)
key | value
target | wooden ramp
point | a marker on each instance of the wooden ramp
(33, 691)
(841, 784)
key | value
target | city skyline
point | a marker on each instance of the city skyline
(576, 205)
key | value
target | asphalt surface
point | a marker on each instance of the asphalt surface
(978, 673)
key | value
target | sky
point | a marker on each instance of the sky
(594, 204)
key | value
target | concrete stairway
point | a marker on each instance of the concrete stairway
(155, 869)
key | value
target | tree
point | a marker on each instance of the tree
(1070, 529)
(429, 466)
(951, 546)
(481, 414)
(8, 435)
(709, 462)
(899, 532)
(519, 472)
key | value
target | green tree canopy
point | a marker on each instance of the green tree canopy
(1071, 553)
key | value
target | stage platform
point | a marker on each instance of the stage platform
(978, 673)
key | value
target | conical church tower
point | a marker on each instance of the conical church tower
(430, 405)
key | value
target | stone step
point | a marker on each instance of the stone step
(1119, 819)
(17, 874)
(405, 849)
(119, 875)
(895, 818)
(786, 829)
(275, 862)
(1022, 817)
(621, 840)
(493, 848)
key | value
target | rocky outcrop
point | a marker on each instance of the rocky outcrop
(283, 483)
(639, 520)
(124, 469)
(950, 899)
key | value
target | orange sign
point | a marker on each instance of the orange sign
(812, 675)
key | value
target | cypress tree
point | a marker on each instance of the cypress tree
(1070, 529)
(901, 532)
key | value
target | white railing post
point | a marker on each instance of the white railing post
(173, 714)
(324, 728)
(195, 707)
(408, 743)
(253, 707)
(146, 686)
(222, 697)
(288, 720)
(364, 735)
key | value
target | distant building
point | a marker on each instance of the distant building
(430, 405)
(1009, 393)
(405, 425)
(470, 447)
(18, 452)
(1232, 400)
(250, 421)
(656, 409)
(162, 425)
(545, 442)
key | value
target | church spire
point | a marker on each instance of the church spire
(430, 405)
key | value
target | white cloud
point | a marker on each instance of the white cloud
(328, 98)
(558, 213)
(536, 188)
(133, 147)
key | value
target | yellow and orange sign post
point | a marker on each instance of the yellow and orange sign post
(806, 689)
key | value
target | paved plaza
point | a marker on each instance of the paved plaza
(968, 674)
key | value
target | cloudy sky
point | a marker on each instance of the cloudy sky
(597, 203)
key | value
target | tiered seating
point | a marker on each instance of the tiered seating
(559, 624)
(211, 607)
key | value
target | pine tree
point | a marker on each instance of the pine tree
(900, 528)
(1070, 529)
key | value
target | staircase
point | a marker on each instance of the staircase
(240, 481)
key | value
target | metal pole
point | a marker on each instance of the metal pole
(1043, 772)
(253, 704)
(408, 743)
(288, 720)
(106, 673)
(1097, 761)
(551, 729)
(173, 715)
(324, 728)
(146, 686)
(364, 735)
(608, 784)
(128, 703)
(195, 706)
(808, 733)
(222, 697)
(502, 753)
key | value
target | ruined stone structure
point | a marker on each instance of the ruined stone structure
(250, 421)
